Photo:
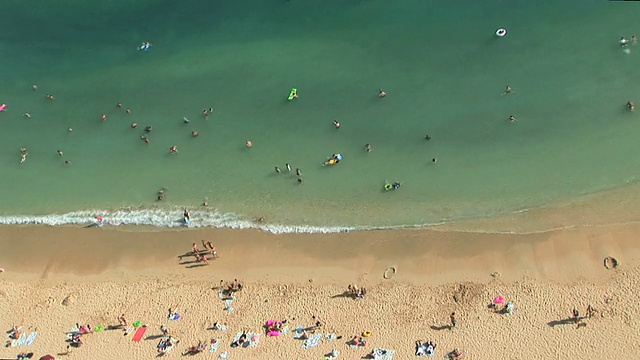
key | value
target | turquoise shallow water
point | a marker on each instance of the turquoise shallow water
(442, 66)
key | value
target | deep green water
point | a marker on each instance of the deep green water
(439, 61)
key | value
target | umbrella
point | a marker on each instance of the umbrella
(499, 299)
(48, 357)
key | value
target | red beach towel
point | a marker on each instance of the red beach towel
(139, 333)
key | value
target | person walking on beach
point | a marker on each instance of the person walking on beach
(122, 321)
(195, 249)
(452, 318)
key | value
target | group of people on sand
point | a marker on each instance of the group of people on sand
(355, 292)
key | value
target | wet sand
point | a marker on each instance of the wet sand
(107, 271)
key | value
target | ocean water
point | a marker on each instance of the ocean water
(442, 66)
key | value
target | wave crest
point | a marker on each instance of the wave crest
(166, 218)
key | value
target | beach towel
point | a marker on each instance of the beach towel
(254, 340)
(31, 338)
(20, 341)
(214, 345)
(382, 354)
(312, 341)
(331, 336)
(228, 305)
(139, 334)
(224, 355)
(175, 316)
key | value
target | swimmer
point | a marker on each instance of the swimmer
(148, 129)
(427, 137)
(299, 180)
(119, 105)
(634, 40)
(277, 170)
(50, 97)
(144, 138)
(128, 111)
(23, 150)
(368, 148)
(134, 125)
(205, 202)
(249, 143)
(298, 172)
(336, 124)
(631, 106)
(512, 118)
(205, 112)
(67, 162)
(507, 90)
(69, 130)
(160, 194)
(194, 133)
(27, 114)
(60, 153)
(173, 149)
(624, 42)
(23, 157)
(381, 93)
(103, 117)
(288, 167)
(295, 96)
(34, 87)
(434, 160)
(185, 120)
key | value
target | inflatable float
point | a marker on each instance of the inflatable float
(293, 94)
(502, 32)
(392, 186)
(3, 107)
(334, 159)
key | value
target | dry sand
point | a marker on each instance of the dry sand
(105, 272)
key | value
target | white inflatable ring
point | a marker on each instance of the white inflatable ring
(501, 32)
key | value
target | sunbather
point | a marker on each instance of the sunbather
(240, 340)
(24, 355)
(162, 345)
(165, 330)
(16, 332)
(456, 354)
(195, 349)
(358, 341)
(76, 341)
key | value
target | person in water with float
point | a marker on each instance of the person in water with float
(388, 186)
(334, 159)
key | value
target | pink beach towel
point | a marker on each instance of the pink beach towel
(139, 333)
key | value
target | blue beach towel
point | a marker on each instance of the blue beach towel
(31, 338)
(22, 340)
(312, 341)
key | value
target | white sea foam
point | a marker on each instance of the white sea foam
(166, 218)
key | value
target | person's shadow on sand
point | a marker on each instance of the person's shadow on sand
(567, 321)
(441, 327)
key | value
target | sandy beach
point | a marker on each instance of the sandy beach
(56, 277)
